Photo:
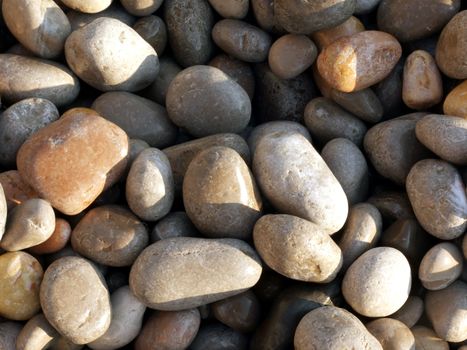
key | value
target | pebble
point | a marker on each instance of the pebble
(378, 283)
(189, 25)
(126, 323)
(8, 333)
(277, 329)
(219, 337)
(30, 224)
(37, 333)
(311, 190)
(392, 205)
(139, 117)
(410, 312)
(361, 232)
(71, 161)
(454, 103)
(330, 327)
(349, 166)
(218, 268)
(181, 155)
(174, 224)
(109, 62)
(189, 104)
(220, 194)
(80, 314)
(20, 121)
(240, 312)
(240, 71)
(150, 185)
(39, 25)
(169, 330)
(392, 334)
(364, 104)
(325, 37)
(24, 77)
(451, 47)
(392, 148)
(355, 62)
(263, 11)
(305, 17)
(447, 311)
(141, 7)
(445, 136)
(438, 183)
(16, 190)
(153, 30)
(80, 19)
(87, 6)
(236, 9)
(110, 235)
(410, 20)
(157, 90)
(440, 266)
(426, 338)
(291, 55)
(422, 85)
(57, 241)
(327, 121)
(296, 248)
(20, 278)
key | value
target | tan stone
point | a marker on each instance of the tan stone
(57, 241)
(392, 334)
(456, 101)
(72, 161)
(37, 333)
(426, 338)
(20, 278)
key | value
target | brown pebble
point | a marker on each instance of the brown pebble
(422, 86)
(71, 161)
(455, 102)
(57, 241)
(15, 188)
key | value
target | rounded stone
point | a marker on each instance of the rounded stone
(296, 248)
(361, 232)
(37, 333)
(220, 194)
(111, 62)
(330, 327)
(71, 161)
(126, 323)
(455, 103)
(180, 273)
(174, 224)
(189, 25)
(426, 338)
(20, 277)
(422, 85)
(110, 235)
(447, 311)
(150, 185)
(231, 8)
(263, 11)
(242, 40)
(358, 61)
(438, 183)
(410, 312)
(440, 266)
(378, 283)
(153, 30)
(393, 148)
(327, 36)
(157, 91)
(87, 6)
(80, 314)
(189, 102)
(141, 7)
(364, 104)
(310, 191)
(31, 223)
(27, 77)
(445, 136)
(392, 334)
(39, 25)
(169, 330)
(20, 121)
(15, 189)
(139, 117)
(240, 312)
(349, 166)
(327, 121)
(291, 55)
(410, 20)
(306, 17)
(451, 47)
(57, 241)
(392, 205)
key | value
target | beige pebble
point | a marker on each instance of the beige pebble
(426, 338)
(36, 334)
(87, 6)
(392, 334)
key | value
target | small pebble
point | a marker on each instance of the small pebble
(455, 103)
(410, 312)
(141, 7)
(237, 9)
(37, 333)
(57, 241)
(16, 190)
(392, 334)
(174, 224)
(426, 338)
(153, 30)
